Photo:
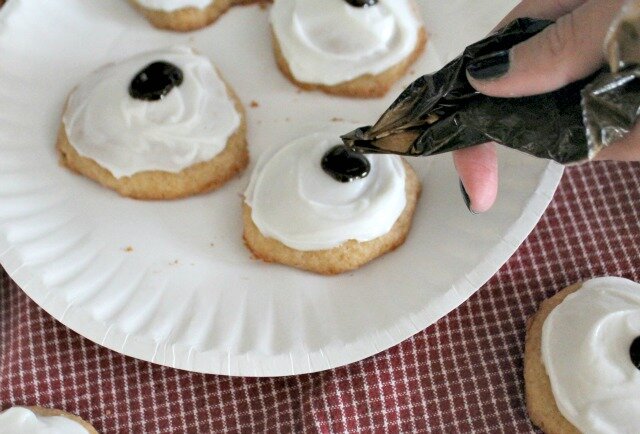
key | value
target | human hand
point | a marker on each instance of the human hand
(566, 51)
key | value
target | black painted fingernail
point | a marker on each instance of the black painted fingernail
(491, 66)
(466, 198)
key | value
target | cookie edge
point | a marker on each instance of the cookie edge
(48, 412)
(541, 403)
(189, 19)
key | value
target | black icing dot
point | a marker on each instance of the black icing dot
(634, 352)
(155, 81)
(344, 164)
(362, 3)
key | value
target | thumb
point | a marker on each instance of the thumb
(564, 52)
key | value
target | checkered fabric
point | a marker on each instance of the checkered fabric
(462, 374)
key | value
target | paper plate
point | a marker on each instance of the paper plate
(171, 282)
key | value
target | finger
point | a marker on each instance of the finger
(564, 52)
(478, 170)
(627, 149)
(542, 9)
(546, 9)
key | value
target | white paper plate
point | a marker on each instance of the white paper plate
(189, 295)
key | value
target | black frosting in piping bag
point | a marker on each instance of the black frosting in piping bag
(441, 112)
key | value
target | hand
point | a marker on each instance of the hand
(566, 51)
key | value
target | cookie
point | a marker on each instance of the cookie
(541, 405)
(151, 145)
(327, 224)
(40, 419)
(579, 368)
(185, 15)
(344, 50)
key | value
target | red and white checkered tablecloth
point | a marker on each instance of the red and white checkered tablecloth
(462, 374)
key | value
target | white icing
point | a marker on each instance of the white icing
(295, 202)
(191, 124)
(20, 420)
(330, 42)
(585, 350)
(174, 5)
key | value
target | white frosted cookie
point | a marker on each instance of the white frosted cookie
(39, 420)
(159, 125)
(315, 205)
(185, 15)
(355, 48)
(582, 359)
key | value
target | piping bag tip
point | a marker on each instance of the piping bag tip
(358, 139)
(396, 142)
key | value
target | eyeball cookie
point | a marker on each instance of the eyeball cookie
(316, 205)
(582, 359)
(355, 48)
(160, 125)
(35, 420)
(184, 15)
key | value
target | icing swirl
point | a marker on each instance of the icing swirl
(331, 41)
(295, 202)
(20, 420)
(191, 124)
(585, 349)
(174, 5)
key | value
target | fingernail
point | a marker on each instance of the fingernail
(491, 66)
(466, 198)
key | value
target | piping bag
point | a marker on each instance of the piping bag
(442, 112)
